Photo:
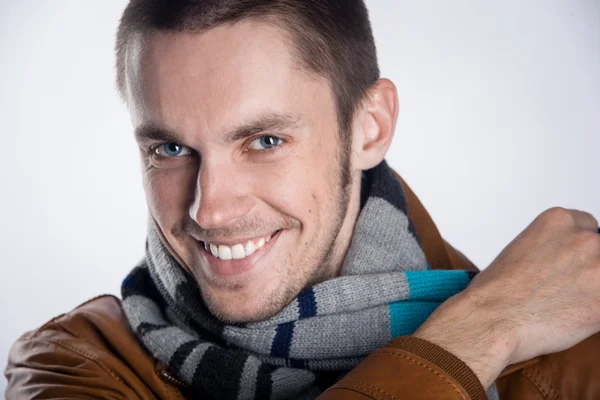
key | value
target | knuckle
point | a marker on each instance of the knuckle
(558, 215)
(591, 217)
(557, 212)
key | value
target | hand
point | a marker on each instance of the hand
(541, 295)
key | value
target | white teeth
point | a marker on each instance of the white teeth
(250, 248)
(225, 252)
(237, 252)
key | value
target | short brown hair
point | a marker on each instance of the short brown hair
(333, 38)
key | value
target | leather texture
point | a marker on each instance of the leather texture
(383, 376)
(570, 374)
(91, 353)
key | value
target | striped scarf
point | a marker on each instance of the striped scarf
(385, 290)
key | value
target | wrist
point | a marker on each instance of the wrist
(475, 335)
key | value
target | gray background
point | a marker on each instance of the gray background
(499, 120)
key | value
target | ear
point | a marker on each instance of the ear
(374, 125)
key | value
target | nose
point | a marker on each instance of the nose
(221, 198)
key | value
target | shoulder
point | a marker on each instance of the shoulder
(439, 253)
(92, 329)
(87, 352)
(99, 313)
(94, 321)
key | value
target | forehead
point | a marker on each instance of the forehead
(227, 73)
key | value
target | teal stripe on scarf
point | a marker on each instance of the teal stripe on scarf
(436, 285)
(428, 289)
(407, 316)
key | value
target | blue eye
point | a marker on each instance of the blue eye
(172, 150)
(265, 142)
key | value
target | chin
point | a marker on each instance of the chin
(245, 313)
(247, 306)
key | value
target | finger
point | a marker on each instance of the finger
(585, 220)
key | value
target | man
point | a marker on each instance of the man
(282, 250)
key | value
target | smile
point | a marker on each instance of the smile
(237, 251)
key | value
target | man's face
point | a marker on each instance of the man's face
(247, 188)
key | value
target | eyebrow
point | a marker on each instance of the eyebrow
(270, 122)
(153, 132)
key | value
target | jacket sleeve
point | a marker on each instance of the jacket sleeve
(39, 368)
(408, 368)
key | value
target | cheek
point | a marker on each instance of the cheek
(286, 185)
(299, 188)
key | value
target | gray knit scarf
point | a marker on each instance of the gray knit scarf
(385, 290)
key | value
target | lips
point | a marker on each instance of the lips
(226, 261)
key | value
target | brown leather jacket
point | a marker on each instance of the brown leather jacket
(91, 353)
